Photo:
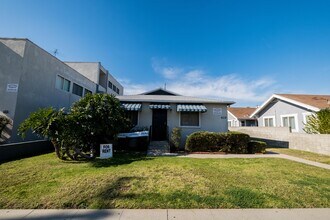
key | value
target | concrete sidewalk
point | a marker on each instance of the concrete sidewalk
(269, 155)
(167, 214)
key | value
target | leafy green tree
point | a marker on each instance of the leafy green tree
(48, 123)
(99, 118)
(318, 123)
(77, 134)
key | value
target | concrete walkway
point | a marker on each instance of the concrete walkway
(167, 214)
(270, 155)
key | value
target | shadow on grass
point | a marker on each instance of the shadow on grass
(64, 214)
(119, 189)
(120, 159)
(119, 195)
(270, 152)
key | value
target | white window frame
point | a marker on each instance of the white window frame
(231, 123)
(200, 122)
(71, 83)
(305, 114)
(295, 121)
(268, 117)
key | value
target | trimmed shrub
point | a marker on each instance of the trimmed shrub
(222, 145)
(201, 141)
(237, 142)
(257, 147)
(175, 138)
(230, 142)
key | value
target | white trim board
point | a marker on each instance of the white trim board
(268, 117)
(275, 96)
(232, 114)
(305, 114)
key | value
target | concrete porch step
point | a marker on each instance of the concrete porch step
(158, 148)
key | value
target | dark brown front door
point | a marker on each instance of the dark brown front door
(159, 124)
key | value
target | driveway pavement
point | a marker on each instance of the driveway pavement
(167, 214)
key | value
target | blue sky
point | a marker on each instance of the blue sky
(234, 50)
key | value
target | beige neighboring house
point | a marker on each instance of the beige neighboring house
(161, 110)
(290, 110)
(240, 117)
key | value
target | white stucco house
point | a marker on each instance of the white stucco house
(240, 117)
(161, 110)
(289, 110)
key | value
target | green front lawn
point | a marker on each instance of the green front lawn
(302, 154)
(162, 182)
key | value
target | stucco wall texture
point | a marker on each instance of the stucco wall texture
(280, 108)
(282, 137)
(34, 71)
(208, 121)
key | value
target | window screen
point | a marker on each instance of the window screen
(62, 83)
(110, 85)
(189, 119)
(77, 90)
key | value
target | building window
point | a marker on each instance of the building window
(190, 119)
(110, 85)
(269, 121)
(132, 116)
(77, 90)
(62, 83)
(87, 92)
(229, 123)
(306, 116)
(114, 88)
(289, 121)
(117, 91)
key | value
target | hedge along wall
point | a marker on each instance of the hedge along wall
(229, 142)
(282, 137)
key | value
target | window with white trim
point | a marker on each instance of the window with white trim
(289, 121)
(189, 119)
(306, 116)
(269, 121)
(230, 123)
(62, 83)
